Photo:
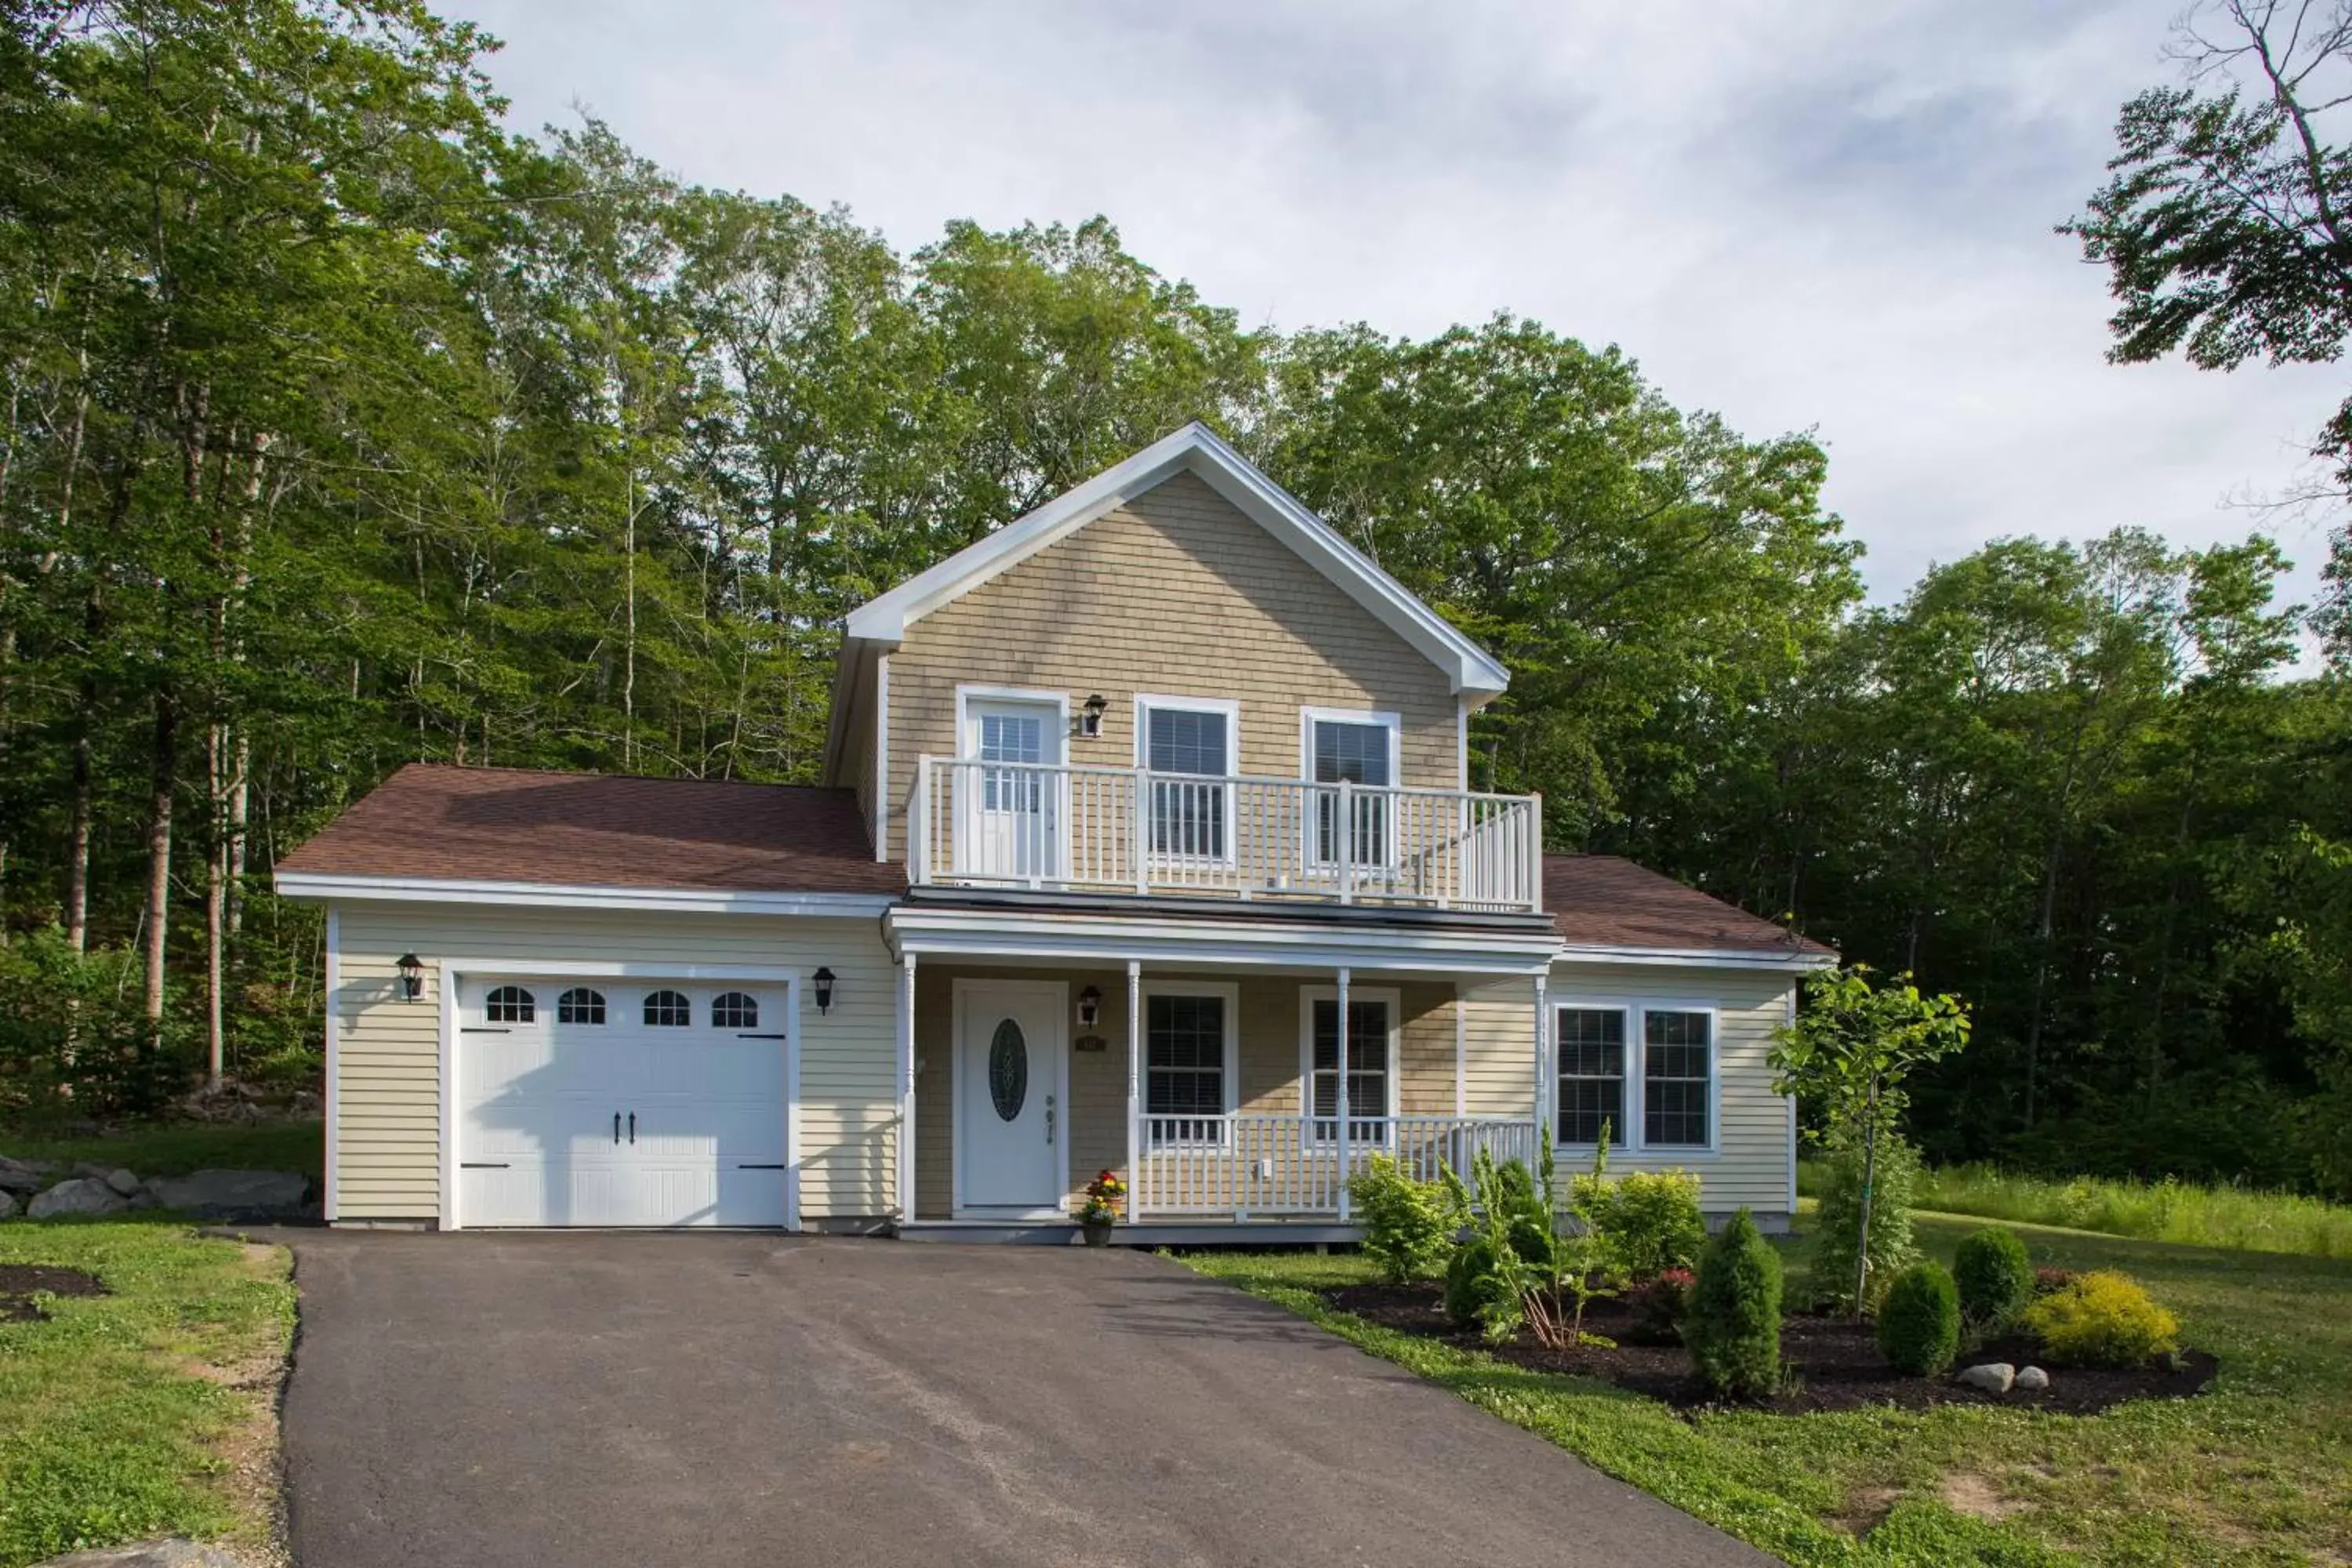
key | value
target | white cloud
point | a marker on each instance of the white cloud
(1827, 215)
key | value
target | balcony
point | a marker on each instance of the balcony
(1068, 828)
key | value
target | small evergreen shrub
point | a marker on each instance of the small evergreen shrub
(1919, 1321)
(1651, 1218)
(1733, 1328)
(1477, 1281)
(2102, 1319)
(1995, 1279)
(1409, 1224)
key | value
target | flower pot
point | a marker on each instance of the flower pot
(1097, 1232)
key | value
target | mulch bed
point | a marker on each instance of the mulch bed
(19, 1281)
(1835, 1362)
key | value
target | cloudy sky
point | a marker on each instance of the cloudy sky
(1823, 214)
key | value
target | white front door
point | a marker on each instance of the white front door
(1009, 824)
(1011, 1128)
(605, 1101)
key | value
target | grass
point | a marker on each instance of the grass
(2256, 1471)
(178, 1148)
(149, 1411)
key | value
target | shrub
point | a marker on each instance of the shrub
(1476, 1283)
(1651, 1218)
(1734, 1325)
(1994, 1277)
(2102, 1319)
(1659, 1304)
(1919, 1321)
(2048, 1279)
(1409, 1224)
(1837, 1230)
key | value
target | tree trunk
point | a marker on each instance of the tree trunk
(77, 835)
(2041, 970)
(159, 858)
(1869, 1174)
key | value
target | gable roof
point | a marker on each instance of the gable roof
(1605, 902)
(1198, 450)
(435, 822)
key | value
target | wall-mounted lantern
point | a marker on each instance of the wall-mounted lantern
(1086, 724)
(412, 977)
(1089, 1007)
(822, 980)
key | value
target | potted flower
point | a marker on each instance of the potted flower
(1100, 1211)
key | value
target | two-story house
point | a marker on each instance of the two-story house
(1147, 845)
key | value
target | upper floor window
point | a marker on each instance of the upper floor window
(579, 1005)
(734, 1010)
(1677, 1079)
(1196, 737)
(510, 1005)
(1356, 749)
(668, 1010)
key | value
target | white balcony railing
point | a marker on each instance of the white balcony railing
(1130, 830)
(1270, 1168)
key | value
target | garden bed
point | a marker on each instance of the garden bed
(20, 1281)
(1834, 1361)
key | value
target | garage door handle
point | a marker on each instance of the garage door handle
(483, 1165)
(616, 1127)
(743, 1167)
(633, 1126)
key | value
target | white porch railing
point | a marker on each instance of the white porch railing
(1269, 1167)
(1129, 830)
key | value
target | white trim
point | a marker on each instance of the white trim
(1199, 450)
(1310, 994)
(1462, 742)
(995, 933)
(450, 969)
(882, 790)
(904, 990)
(1145, 704)
(1788, 1013)
(1227, 991)
(1461, 1053)
(1059, 992)
(1369, 718)
(561, 895)
(330, 1103)
(1694, 957)
(967, 694)
(1632, 1138)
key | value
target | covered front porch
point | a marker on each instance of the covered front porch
(1232, 1082)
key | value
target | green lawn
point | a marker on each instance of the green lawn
(177, 1148)
(2257, 1470)
(148, 1412)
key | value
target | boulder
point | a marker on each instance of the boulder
(23, 1177)
(123, 1181)
(234, 1194)
(2031, 1380)
(78, 1194)
(1993, 1377)
(8, 1204)
(174, 1553)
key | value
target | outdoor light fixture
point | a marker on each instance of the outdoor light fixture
(824, 982)
(1089, 1007)
(412, 977)
(1087, 723)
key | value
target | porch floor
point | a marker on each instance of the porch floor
(1202, 1231)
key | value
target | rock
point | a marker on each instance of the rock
(8, 1204)
(174, 1553)
(78, 1194)
(2031, 1380)
(123, 1181)
(234, 1194)
(144, 1200)
(1993, 1377)
(23, 1177)
(90, 1170)
(306, 1103)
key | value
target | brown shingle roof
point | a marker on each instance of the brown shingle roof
(509, 824)
(1601, 901)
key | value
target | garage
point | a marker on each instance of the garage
(613, 1101)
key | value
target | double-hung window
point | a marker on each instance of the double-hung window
(1591, 1045)
(1358, 750)
(1677, 1077)
(1189, 746)
(1372, 1021)
(1188, 1067)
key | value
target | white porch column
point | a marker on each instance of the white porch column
(1545, 1077)
(1341, 1105)
(907, 1088)
(1134, 1090)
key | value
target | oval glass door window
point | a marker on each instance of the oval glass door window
(1008, 1070)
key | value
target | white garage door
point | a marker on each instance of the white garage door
(619, 1102)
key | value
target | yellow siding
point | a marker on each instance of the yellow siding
(1751, 1163)
(1498, 1063)
(387, 1088)
(1178, 594)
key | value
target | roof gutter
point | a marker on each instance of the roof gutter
(320, 886)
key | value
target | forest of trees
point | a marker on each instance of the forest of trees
(340, 428)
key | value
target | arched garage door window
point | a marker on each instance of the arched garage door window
(668, 1010)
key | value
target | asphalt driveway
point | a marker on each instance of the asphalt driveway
(714, 1400)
